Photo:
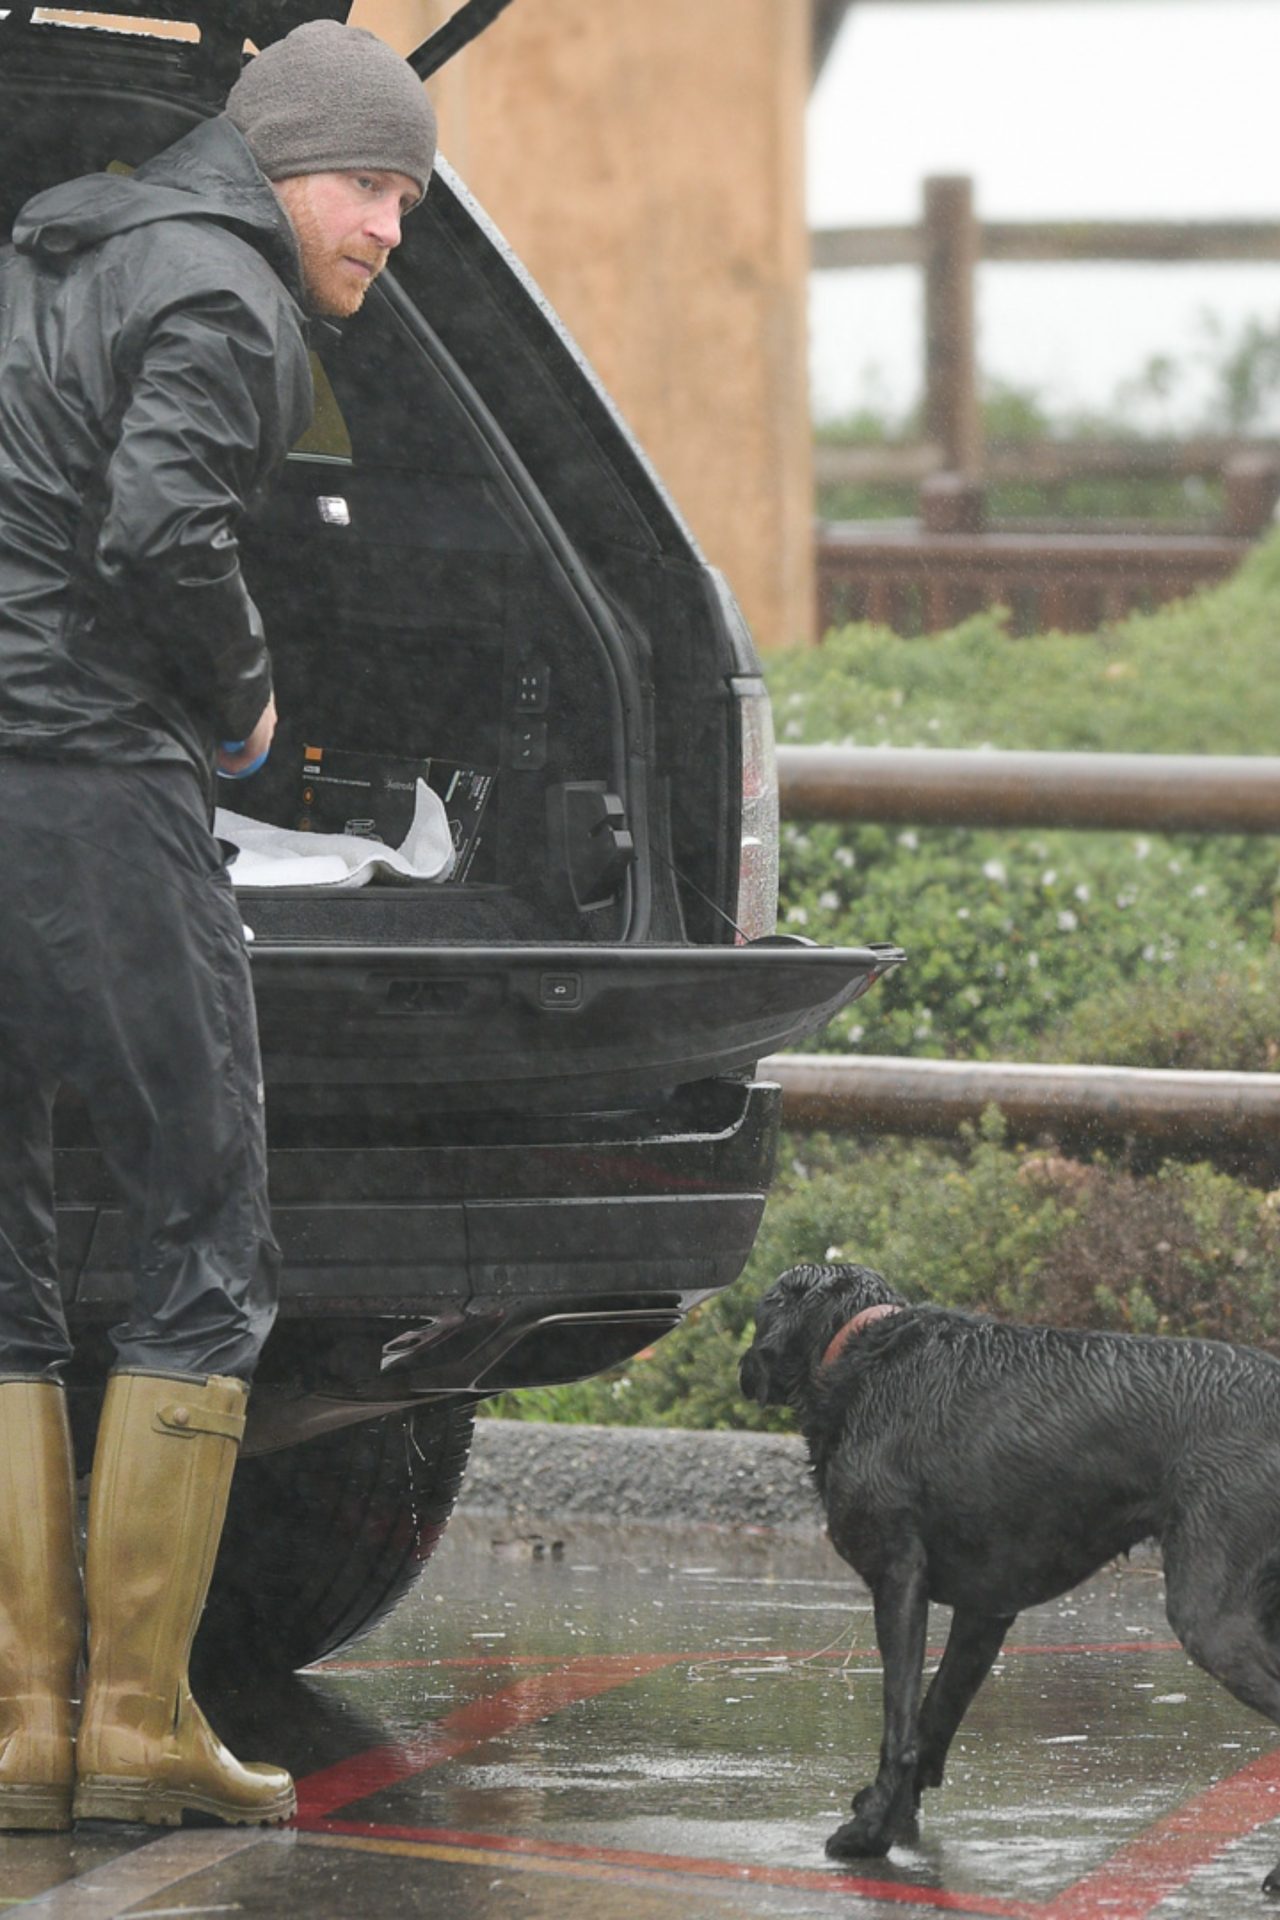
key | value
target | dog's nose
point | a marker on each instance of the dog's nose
(752, 1377)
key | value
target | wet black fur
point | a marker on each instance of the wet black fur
(991, 1467)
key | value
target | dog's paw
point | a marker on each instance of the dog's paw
(896, 1816)
(1270, 1885)
(858, 1840)
(879, 1822)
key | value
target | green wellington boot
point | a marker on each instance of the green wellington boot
(41, 1615)
(162, 1473)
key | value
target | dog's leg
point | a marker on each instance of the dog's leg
(885, 1811)
(972, 1645)
(1224, 1612)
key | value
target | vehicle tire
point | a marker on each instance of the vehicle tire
(323, 1539)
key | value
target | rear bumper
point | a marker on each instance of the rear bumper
(533, 1252)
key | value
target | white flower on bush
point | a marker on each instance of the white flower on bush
(793, 729)
(798, 915)
(845, 857)
(1082, 891)
(1048, 877)
(834, 1253)
(1141, 848)
(1125, 899)
(829, 899)
(962, 913)
(1033, 961)
(1067, 921)
(995, 870)
(1200, 892)
(910, 839)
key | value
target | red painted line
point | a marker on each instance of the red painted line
(476, 1661)
(1162, 1860)
(535, 1698)
(1128, 1886)
(625, 1861)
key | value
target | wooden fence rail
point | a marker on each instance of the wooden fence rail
(966, 787)
(1048, 462)
(1154, 241)
(919, 578)
(951, 242)
(916, 581)
(1231, 1118)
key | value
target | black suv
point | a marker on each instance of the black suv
(514, 1132)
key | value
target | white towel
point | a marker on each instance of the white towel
(277, 857)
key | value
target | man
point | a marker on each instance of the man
(153, 374)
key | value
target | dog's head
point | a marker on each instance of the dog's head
(796, 1322)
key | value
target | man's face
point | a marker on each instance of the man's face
(347, 225)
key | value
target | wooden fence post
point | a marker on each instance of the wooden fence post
(952, 246)
(952, 503)
(1250, 488)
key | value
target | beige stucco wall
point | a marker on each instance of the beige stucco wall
(645, 158)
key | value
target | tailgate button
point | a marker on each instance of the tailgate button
(561, 990)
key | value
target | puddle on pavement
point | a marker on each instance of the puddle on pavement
(622, 1706)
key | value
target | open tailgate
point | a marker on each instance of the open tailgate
(544, 1025)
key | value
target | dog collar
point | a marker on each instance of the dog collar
(855, 1326)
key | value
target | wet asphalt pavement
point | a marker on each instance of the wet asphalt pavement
(653, 1723)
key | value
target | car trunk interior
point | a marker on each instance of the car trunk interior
(426, 611)
(418, 630)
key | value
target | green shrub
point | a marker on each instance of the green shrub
(1009, 933)
(1020, 1234)
(1195, 677)
(1225, 1020)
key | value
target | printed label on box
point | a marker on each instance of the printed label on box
(372, 795)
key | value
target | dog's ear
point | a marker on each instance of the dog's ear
(816, 1302)
(845, 1289)
(860, 1287)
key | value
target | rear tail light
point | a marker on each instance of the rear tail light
(757, 913)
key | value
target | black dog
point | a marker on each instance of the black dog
(992, 1467)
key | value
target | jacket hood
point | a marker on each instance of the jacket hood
(210, 174)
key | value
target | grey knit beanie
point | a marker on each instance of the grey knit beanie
(329, 99)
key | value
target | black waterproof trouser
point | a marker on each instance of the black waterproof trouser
(123, 973)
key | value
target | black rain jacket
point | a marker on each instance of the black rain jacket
(153, 374)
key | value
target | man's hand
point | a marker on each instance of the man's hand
(250, 754)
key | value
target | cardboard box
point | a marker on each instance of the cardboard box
(372, 795)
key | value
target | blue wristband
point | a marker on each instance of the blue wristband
(242, 773)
